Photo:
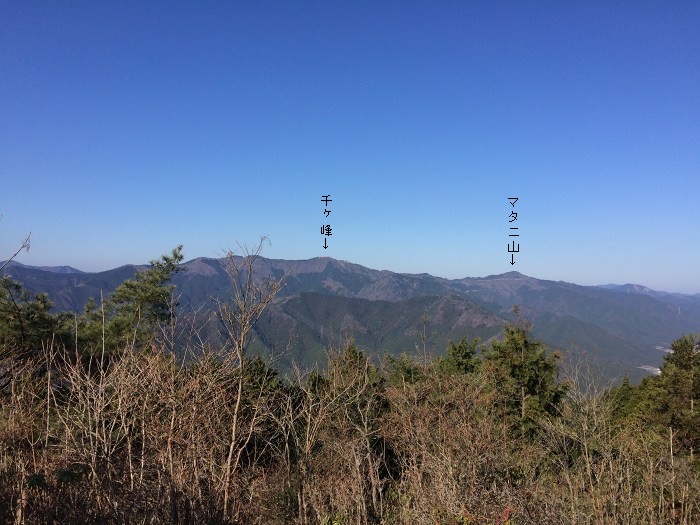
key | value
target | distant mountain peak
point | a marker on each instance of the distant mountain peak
(630, 288)
(508, 275)
(384, 309)
(52, 269)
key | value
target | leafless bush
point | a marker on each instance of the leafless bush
(453, 449)
(214, 435)
(603, 473)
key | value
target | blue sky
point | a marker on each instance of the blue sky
(127, 128)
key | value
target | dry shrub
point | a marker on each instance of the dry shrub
(453, 450)
(604, 473)
(145, 438)
(334, 455)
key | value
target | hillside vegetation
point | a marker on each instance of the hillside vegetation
(325, 301)
(126, 414)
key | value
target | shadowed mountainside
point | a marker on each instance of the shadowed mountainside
(326, 300)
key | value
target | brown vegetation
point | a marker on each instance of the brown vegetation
(138, 436)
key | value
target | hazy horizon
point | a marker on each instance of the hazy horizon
(543, 278)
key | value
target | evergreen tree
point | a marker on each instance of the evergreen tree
(404, 369)
(133, 313)
(678, 391)
(27, 323)
(461, 357)
(525, 374)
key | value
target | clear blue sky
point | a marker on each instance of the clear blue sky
(127, 128)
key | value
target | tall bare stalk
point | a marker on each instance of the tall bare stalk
(249, 297)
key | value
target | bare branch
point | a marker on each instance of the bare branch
(26, 244)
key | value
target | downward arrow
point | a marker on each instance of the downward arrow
(325, 244)
(512, 260)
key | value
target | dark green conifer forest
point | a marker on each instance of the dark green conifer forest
(127, 414)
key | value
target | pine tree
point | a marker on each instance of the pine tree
(132, 314)
(525, 374)
(678, 391)
(27, 323)
(461, 357)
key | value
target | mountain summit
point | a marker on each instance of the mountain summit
(325, 300)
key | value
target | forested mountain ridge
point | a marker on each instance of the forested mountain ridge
(323, 298)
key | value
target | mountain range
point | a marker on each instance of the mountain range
(324, 301)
